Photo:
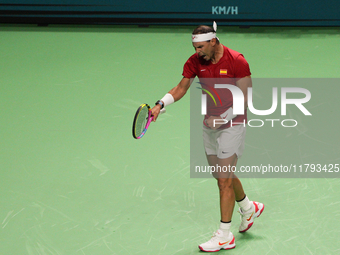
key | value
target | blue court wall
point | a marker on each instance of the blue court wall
(174, 12)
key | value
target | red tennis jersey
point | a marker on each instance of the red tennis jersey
(231, 67)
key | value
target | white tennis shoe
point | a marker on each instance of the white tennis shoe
(218, 241)
(247, 217)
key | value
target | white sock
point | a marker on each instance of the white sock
(225, 227)
(244, 204)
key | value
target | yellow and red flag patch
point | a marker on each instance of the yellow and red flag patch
(223, 71)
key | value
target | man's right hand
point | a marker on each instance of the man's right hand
(155, 111)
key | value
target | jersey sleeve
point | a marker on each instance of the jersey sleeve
(241, 67)
(189, 69)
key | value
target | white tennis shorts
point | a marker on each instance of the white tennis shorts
(224, 142)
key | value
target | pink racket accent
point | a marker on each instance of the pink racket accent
(150, 118)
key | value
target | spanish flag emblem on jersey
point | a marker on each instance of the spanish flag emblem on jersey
(223, 71)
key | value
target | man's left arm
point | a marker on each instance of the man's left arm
(244, 83)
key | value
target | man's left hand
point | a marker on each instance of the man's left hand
(212, 122)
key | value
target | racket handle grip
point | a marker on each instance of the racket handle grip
(162, 111)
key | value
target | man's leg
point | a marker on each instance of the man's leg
(249, 210)
(226, 188)
(236, 183)
(237, 186)
(223, 238)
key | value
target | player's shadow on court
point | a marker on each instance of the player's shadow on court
(241, 237)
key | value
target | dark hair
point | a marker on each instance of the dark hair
(203, 29)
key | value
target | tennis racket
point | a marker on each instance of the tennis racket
(142, 120)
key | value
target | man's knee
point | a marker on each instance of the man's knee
(225, 184)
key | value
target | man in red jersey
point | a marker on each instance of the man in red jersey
(224, 143)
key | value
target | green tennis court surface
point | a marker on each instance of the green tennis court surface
(74, 181)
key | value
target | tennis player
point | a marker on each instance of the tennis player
(224, 143)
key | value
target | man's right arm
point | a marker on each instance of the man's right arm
(177, 93)
(181, 89)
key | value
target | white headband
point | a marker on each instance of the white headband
(205, 37)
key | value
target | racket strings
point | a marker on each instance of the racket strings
(141, 121)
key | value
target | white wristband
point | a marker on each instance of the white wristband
(228, 114)
(168, 99)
